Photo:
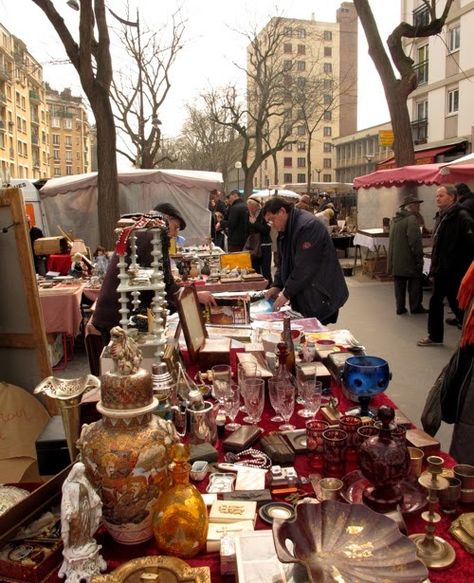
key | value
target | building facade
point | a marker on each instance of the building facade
(322, 58)
(24, 123)
(360, 152)
(70, 134)
(440, 107)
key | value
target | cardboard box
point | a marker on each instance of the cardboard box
(31, 508)
(50, 245)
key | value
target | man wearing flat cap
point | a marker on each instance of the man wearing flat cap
(106, 314)
(405, 257)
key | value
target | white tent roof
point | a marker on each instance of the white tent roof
(467, 159)
(71, 201)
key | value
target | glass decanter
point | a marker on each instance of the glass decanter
(180, 520)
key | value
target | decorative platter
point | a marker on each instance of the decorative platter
(9, 496)
(273, 510)
(414, 496)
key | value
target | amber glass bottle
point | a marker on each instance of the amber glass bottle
(288, 340)
(180, 520)
(282, 372)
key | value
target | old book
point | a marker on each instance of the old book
(228, 511)
(217, 530)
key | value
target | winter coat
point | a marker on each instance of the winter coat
(262, 227)
(309, 271)
(236, 223)
(453, 243)
(405, 251)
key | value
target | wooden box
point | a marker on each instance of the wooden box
(50, 245)
(42, 500)
(418, 438)
(202, 349)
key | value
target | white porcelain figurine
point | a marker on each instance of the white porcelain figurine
(81, 512)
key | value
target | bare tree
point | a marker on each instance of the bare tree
(139, 96)
(91, 59)
(260, 121)
(398, 89)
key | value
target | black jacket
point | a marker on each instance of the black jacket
(237, 223)
(309, 270)
(262, 227)
(453, 243)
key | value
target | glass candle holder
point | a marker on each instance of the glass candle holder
(350, 424)
(366, 431)
(314, 434)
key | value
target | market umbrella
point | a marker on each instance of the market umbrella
(264, 195)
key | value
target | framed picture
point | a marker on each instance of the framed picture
(172, 358)
(192, 321)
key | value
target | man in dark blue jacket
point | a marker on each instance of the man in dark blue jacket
(308, 275)
(236, 222)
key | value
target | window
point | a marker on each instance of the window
(301, 146)
(327, 116)
(301, 162)
(287, 48)
(327, 67)
(69, 156)
(422, 110)
(454, 38)
(327, 51)
(421, 16)
(57, 171)
(287, 65)
(301, 33)
(301, 131)
(327, 163)
(287, 162)
(287, 148)
(327, 177)
(327, 131)
(421, 66)
(453, 101)
(287, 31)
(68, 124)
(56, 154)
(68, 141)
(301, 65)
(301, 50)
(327, 147)
(327, 84)
(301, 82)
(68, 170)
(301, 178)
(56, 139)
(288, 178)
(55, 122)
(327, 35)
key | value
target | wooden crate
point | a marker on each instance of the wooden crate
(50, 245)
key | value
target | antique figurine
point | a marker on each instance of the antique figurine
(81, 511)
(125, 352)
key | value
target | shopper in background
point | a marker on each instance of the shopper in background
(453, 250)
(259, 242)
(405, 257)
(236, 222)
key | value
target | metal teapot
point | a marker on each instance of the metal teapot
(198, 418)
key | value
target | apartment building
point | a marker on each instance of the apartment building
(70, 142)
(322, 57)
(24, 124)
(441, 106)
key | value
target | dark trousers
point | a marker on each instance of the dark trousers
(415, 292)
(443, 287)
(263, 264)
(235, 248)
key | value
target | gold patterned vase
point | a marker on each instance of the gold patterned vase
(126, 453)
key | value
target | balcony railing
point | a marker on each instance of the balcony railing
(62, 113)
(421, 70)
(35, 120)
(5, 74)
(34, 140)
(421, 16)
(34, 96)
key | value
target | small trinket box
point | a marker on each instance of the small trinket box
(199, 470)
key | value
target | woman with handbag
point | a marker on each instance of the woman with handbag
(259, 242)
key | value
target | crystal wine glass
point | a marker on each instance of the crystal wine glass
(221, 379)
(254, 399)
(310, 390)
(244, 370)
(286, 402)
(273, 385)
(231, 406)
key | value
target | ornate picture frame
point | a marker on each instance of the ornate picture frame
(192, 321)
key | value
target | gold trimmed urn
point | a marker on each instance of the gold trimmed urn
(126, 452)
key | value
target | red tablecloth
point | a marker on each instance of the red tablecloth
(61, 308)
(60, 262)
(116, 554)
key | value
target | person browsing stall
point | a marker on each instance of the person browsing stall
(106, 314)
(308, 273)
(259, 242)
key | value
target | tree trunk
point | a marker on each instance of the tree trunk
(403, 148)
(308, 162)
(107, 183)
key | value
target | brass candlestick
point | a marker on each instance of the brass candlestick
(434, 551)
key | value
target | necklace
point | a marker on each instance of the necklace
(250, 457)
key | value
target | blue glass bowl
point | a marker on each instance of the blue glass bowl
(366, 376)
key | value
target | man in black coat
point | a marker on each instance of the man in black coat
(236, 222)
(453, 250)
(308, 274)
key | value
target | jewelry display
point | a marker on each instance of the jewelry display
(434, 551)
(250, 457)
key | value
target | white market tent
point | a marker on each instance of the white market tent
(71, 201)
(266, 193)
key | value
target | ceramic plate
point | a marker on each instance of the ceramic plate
(414, 496)
(9, 496)
(276, 510)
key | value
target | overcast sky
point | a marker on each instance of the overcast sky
(212, 44)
